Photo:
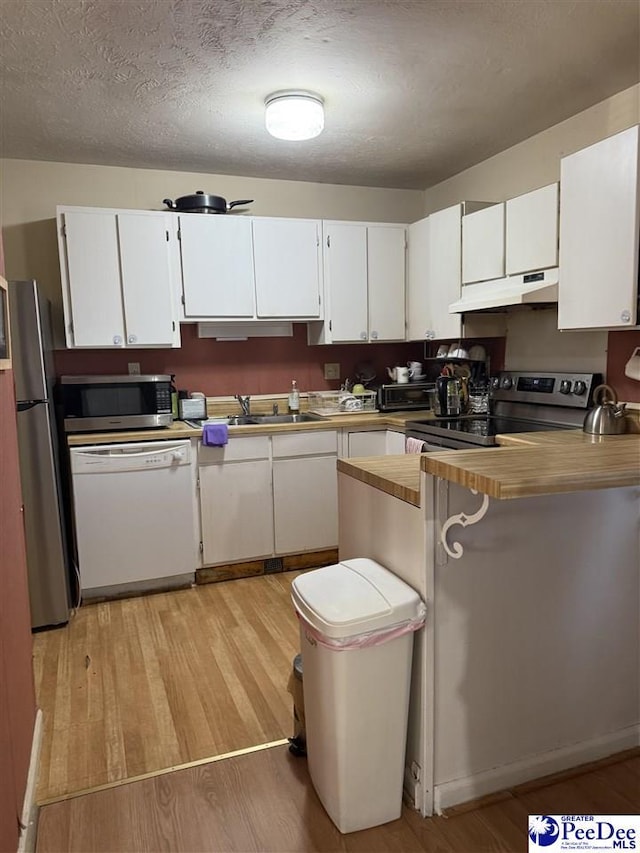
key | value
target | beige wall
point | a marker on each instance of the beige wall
(30, 191)
(533, 339)
(536, 161)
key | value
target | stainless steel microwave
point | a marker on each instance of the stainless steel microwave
(400, 397)
(115, 402)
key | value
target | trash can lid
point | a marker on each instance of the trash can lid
(353, 597)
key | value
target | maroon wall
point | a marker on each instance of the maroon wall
(255, 366)
(17, 696)
(620, 348)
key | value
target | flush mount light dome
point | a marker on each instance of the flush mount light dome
(294, 115)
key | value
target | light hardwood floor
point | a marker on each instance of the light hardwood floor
(143, 684)
(264, 801)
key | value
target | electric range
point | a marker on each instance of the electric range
(519, 401)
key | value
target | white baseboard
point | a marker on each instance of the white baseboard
(554, 761)
(29, 820)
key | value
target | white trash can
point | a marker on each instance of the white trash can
(356, 635)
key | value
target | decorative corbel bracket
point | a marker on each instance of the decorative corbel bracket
(456, 550)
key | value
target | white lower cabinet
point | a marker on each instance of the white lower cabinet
(381, 442)
(236, 504)
(305, 491)
(264, 496)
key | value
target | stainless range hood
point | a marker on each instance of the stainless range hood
(527, 289)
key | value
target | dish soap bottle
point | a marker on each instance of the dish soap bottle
(294, 398)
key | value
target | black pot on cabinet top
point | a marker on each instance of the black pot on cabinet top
(202, 202)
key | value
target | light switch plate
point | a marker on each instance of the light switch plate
(134, 368)
(332, 370)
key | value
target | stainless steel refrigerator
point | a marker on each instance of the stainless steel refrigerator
(40, 472)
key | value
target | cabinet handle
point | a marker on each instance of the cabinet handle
(626, 316)
(132, 339)
(363, 336)
(374, 336)
(117, 339)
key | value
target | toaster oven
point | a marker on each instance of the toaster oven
(397, 397)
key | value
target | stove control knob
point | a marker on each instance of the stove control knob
(565, 386)
(580, 387)
(495, 382)
(507, 383)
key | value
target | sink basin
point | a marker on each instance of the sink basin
(285, 419)
(243, 420)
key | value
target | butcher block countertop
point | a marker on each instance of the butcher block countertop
(555, 462)
(389, 420)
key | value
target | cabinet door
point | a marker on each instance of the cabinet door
(483, 244)
(445, 271)
(345, 270)
(217, 266)
(146, 279)
(93, 280)
(599, 224)
(435, 257)
(236, 508)
(370, 443)
(386, 256)
(419, 326)
(395, 442)
(305, 497)
(532, 231)
(287, 262)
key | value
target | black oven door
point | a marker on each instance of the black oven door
(438, 443)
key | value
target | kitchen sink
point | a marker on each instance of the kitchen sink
(286, 419)
(244, 420)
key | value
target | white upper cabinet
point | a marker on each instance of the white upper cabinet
(146, 275)
(532, 230)
(288, 267)
(435, 264)
(345, 279)
(364, 278)
(435, 250)
(599, 228)
(217, 266)
(117, 278)
(386, 260)
(248, 268)
(483, 244)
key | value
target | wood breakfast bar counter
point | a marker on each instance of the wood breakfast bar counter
(528, 559)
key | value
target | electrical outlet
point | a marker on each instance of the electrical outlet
(332, 371)
(134, 368)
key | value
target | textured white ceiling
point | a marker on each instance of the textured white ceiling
(416, 90)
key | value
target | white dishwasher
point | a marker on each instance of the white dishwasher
(134, 516)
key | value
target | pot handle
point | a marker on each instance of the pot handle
(606, 392)
(241, 201)
(170, 204)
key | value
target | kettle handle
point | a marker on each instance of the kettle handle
(170, 204)
(606, 392)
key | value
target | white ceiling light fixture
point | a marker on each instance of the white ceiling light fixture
(294, 115)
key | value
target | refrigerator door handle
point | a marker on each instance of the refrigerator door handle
(25, 405)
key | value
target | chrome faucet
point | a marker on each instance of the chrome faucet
(245, 403)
